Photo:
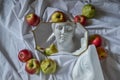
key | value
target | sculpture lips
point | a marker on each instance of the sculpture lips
(62, 36)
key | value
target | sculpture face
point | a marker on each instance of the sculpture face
(64, 32)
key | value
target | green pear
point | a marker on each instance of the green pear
(48, 66)
(51, 50)
(88, 11)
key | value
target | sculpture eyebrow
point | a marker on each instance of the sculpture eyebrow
(62, 25)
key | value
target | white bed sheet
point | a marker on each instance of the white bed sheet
(15, 34)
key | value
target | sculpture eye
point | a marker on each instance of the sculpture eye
(69, 28)
(59, 27)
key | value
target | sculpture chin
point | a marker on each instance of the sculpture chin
(61, 41)
(63, 45)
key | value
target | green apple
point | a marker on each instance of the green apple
(48, 66)
(51, 50)
(58, 16)
(88, 11)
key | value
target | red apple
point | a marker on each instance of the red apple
(95, 39)
(81, 19)
(32, 66)
(58, 16)
(102, 53)
(32, 19)
(24, 55)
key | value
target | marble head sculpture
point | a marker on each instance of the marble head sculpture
(65, 34)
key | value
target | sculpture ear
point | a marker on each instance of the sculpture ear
(53, 26)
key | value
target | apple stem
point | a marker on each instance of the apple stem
(46, 57)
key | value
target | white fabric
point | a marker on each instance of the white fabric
(15, 34)
(87, 66)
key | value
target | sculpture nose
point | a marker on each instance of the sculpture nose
(63, 30)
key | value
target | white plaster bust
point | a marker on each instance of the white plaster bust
(65, 34)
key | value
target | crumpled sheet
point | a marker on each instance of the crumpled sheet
(15, 34)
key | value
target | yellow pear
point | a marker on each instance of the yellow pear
(51, 50)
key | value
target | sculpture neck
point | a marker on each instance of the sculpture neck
(67, 46)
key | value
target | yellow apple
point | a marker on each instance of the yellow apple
(102, 53)
(48, 66)
(58, 16)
